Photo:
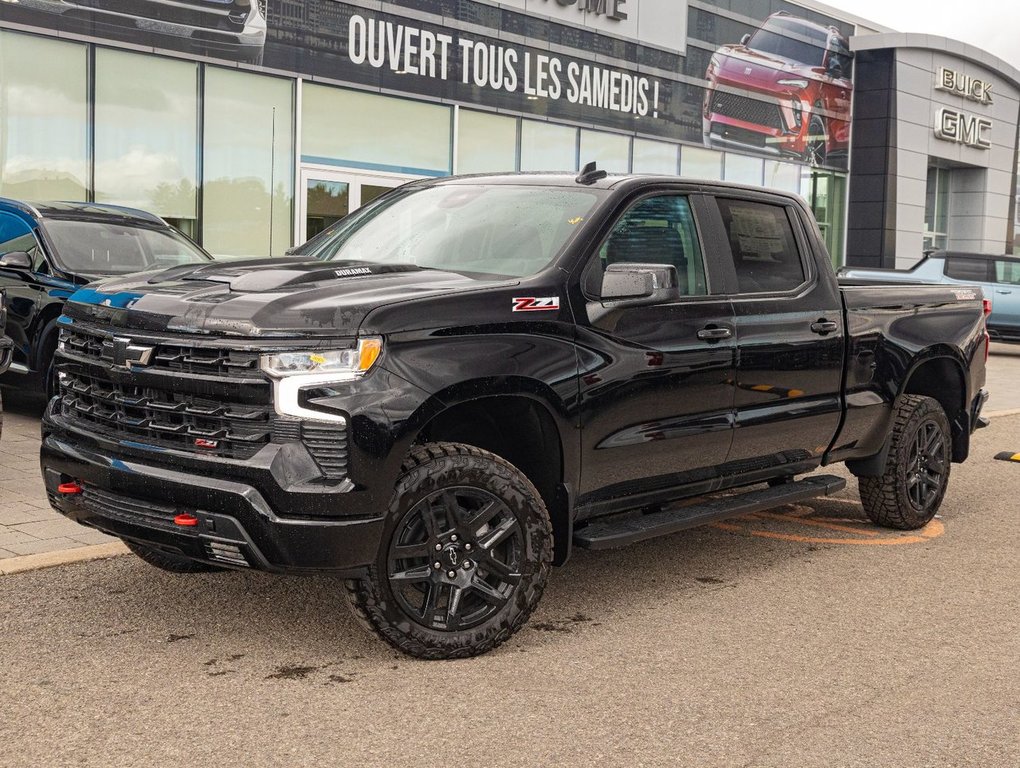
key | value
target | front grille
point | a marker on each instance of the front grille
(130, 510)
(747, 109)
(176, 357)
(165, 418)
(162, 401)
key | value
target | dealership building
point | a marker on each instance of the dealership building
(253, 124)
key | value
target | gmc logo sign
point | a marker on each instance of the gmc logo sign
(961, 128)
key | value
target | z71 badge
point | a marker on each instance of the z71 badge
(540, 304)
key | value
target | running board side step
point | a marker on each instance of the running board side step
(612, 534)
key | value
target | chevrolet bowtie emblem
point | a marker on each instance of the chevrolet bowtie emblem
(121, 353)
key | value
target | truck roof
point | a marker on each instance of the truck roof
(611, 181)
(81, 211)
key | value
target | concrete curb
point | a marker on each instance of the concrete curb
(61, 557)
(1000, 414)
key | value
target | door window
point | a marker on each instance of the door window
(16, 235)
(765, 253)
(1007, 272)
(656, 230)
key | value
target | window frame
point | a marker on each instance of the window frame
(695, 200)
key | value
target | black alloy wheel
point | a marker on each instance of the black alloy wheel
(464, 556)
(455, 559)
(927, 465)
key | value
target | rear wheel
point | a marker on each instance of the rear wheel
(909, 492)
(464, 558)
(168, 562)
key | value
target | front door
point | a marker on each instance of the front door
(329, 194)
(656, 380)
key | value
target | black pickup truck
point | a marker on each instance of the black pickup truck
(472, 375)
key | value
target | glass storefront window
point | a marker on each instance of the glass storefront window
(825, 193)
(486, 143)
(548, 147)
(364, 130)
(655, 157)
(610, 151)
(784, 176)
(146, 134)
(936, 209)
(743, 169)
(43, 118)
(248, 164)
(700, 163)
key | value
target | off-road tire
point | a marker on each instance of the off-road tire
(886, 498)
(167, 562)
(427, 469)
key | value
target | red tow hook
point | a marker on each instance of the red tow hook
(70, 489)
(186, 520)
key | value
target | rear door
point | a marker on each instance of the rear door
(789, 322)
(1005, 317)
(656, 381)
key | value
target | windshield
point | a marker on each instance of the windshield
(793, 42)
(477, 229)
(101, 248)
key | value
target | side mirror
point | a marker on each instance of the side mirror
(635, 285)
(16, 260)
(745, 39)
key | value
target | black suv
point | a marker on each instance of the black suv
(50, 250)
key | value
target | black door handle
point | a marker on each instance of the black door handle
(823, 327)
(715, 334)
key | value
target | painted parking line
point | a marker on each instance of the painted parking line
(800, 524)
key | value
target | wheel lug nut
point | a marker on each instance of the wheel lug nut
(468, 565)
(467, 547)
(438, 547)
(438, 566)
(452, 574)
(453, 537)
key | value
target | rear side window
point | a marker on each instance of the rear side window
(765, 253)
(970, 270)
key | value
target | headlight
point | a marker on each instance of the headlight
(345, 364)
(794, 83)
(293, 372)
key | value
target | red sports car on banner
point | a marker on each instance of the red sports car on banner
(785, 88)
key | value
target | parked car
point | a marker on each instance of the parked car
(785, 88)
(49, 250)
(233, 28)
(997, 274)
(476, 374)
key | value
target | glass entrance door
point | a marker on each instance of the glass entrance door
(329, 194)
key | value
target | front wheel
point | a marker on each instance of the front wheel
(909, 492)
(464, 557)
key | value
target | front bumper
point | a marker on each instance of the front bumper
(138, 499)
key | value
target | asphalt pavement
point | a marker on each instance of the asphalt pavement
(802, 637)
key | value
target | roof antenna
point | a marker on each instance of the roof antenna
(590, 174)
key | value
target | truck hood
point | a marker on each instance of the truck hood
(261, 298)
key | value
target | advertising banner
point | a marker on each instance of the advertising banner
(779, 85)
